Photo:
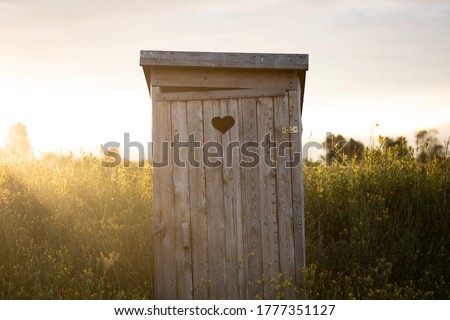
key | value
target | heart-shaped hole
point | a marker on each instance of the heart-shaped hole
(223, 124)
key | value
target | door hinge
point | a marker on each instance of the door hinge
(291, 129)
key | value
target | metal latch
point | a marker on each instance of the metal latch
(291, 129)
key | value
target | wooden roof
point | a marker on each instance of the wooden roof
(225, 60)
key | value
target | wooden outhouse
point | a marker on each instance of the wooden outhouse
(228, 185)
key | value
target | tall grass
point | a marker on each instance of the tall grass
(71, 229)
(378, 228)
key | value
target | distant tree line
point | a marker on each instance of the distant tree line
(342, 150)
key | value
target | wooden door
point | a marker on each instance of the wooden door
(226, 230)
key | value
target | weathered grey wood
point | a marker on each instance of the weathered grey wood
(234, 110)
(232, 202)
(223, 78)
(225, 60)
(251, 203)
(197, 204)
(219, 94)
(267, 187)
(183, 258)
(284, 196)
(242, 223)
(297, 185)
(164, 268)
(215, 208)
(217, 231)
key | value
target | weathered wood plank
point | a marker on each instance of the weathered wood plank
(225, 60)
(223, 78)
(219, 94)
(197, 196)
(181, 190)
(215, 207)
(267, 191)
(164, 268)
(243, 260)
(297, 184)
(284, 195)
(232, 203)
(234, 110)
(251, 202)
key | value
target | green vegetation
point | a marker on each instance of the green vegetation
(71, 229)
(377, 228)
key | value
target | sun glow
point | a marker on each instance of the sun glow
(69, 118)
(73, 77)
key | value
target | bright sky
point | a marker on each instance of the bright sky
(69, 69)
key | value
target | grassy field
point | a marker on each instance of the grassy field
(379, 229)
(71, 229)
